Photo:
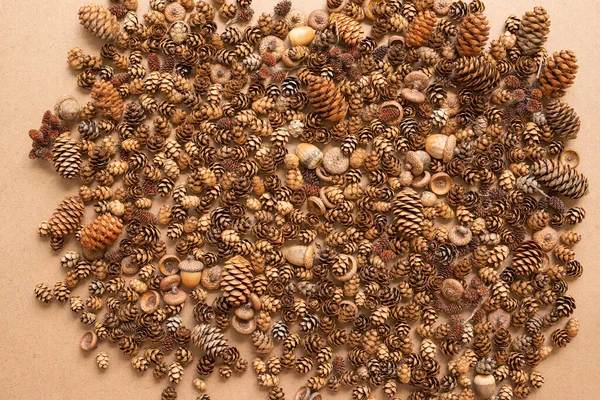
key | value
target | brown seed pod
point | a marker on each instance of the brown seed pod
(452, 290)
(89, 341)
(440, 183)
(150, 301)
(169, 265)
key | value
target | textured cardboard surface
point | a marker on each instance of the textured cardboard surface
(39, 352)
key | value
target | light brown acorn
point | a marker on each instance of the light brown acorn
(101, 232)
(99, 21)
(327, 99)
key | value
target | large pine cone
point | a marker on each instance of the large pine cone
(349, 29)
(66, 156)
(527, 259)
(236, 282)
(100, 21)
(562, 119)
(67, 216)
(101, 232)
(558, 74)
(476, 73)
(209, 339)
(108, 101)
(420, 29)
(327, 99)
(408, 213)
(560, 178)
(473, 35)
(534, 30)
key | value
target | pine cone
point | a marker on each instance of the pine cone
(561, 338)
(67, 217)
(527, 258)
(99, 21)
(473, 35)
(66, 156)
(102, 360)
(263, 344)
(477, 74)
(236, 282)
(560, 178)
(101, 232)
(408, 213)
(108, 101)
(534, 30)
(209, 339)
(327, 99)
(349, 30)
(420, 28)
(43, 293)
(558, 74)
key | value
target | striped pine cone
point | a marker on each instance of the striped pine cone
(327, 99)
(558, 74)
(421, 28)
(67, 216)
(209, 339)
(477, 74)
(99, 21)
(108, 101)
(533, 31)
(236, 281)
(349, 30)
(560, 178)
(408, 213)
(101, 232)
(66, 156)
(527, 258)
(473, 35)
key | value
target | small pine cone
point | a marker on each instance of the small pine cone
(169, 393)
(108, 101)
(76, 304)
(572, 327)
(408, 213)
(349, 30)
(533, 31)
(67, 217)
(101, 232)
(61, 292)
(420, 28)
(563, 120)
(184, 355)
(99, 21)
(561, 338)
(102, 360)
(282, 8)
(160, 370)
(175, 372)
(560, 178)
(327, 99)
(570, 238)
(66, 157)
(276, 393)
(236, 281)
(140, 363)
(262, 342)
(209, 339)
(472, 35)
(558, 74)
(43, 293)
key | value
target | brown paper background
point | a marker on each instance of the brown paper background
(39, 352)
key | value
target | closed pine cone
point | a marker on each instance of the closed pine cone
(108, 101)
(100, 21)
(534, 30)
(558, 74)
(421, 28)
(66, 156)
(349, 30)
(563, 120)
(527, 258)
(327, 99)
(209, 339)
(67, 216)
(473, 35)
(476, 73)
(236, 282)
(101, 232)
(408, 213)
(560, 178)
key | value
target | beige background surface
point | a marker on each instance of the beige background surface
(39, 353)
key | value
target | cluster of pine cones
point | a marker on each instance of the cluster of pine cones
(412, 243)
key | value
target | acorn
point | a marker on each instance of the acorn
(428, 198)
(485, 385)
(422, 180)
(441, 146)
(169, 281)
(150, 301)
(440, 183)
(310, 156)
(190, 271)
(243, 327)
(89, 341)
(169, 264)
(417, 161)
(300, 256)
(175, 297)
(301, 36)
(67, 108)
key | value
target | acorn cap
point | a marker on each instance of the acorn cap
(452, 290)
(190, 264)
(243, 327)
(169, 264)
(211, 277)
(396, 40)
(129, 266)
(315, 205)
(417, 161)
(499, 319)
(303, 393)
(428, 198)
(460, 235)
(396, 105)
(569, 157)
(245, 312)
(174, 297)
(440, 183)
(449, 149)
(413, 95)
(150, 301)
(422, 180)
(416, 80)
(89, 341)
